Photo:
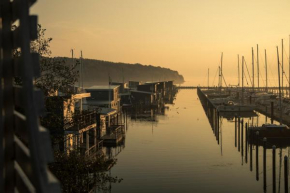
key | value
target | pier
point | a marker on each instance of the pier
(266, 109)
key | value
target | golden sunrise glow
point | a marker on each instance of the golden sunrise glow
(184, 35)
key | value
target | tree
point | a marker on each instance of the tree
(56, 74)
(74, 170)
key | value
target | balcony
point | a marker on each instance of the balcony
(83, 120)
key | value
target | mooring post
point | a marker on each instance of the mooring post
(242, 132)
(239, 133)
(257, 156)
(126, 119)
(246, 127)
(251, 151)
(272, 112)
(286, 173)
(235, 131)
(264, 162)
(274, 168)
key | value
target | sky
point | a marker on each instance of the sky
(184, 35)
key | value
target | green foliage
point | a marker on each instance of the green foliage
(55, 73)
(96, 72)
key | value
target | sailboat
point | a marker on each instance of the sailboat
(232, 106)
(273, 130)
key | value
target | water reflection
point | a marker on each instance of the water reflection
(246, 142)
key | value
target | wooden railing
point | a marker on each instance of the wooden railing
(81, 121)
(27, 148)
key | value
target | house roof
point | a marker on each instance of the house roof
(107, 111)
(103, 87)
(143, 92)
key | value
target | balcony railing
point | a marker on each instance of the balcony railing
(81, 120)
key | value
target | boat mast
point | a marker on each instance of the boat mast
(253, 69)
(221, 71)
(279, 87)
(282, 69)
(123, 75)
(258, 67)
(238, 70)
(242, 79)
(80, 73)
(266, 70)
(208, 78)
(289, 66)
(72, 56)
(219, 83)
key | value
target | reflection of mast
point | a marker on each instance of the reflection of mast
(280, 168)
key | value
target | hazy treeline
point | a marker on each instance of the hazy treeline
(98, 71)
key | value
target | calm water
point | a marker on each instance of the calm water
(180, 153)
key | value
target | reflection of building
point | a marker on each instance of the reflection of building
(144, 115)
(139, 97)
(104, 96)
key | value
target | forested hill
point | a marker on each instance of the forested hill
(97, 72)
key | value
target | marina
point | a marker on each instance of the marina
(144, 96)
(211, 153)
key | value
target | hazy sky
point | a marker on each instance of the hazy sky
(184, 35)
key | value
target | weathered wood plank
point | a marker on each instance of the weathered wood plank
(23, 184)
(22, 157)
(1, 119)
(20, 130)
(8, 104)
(35, 62)
(20, 101)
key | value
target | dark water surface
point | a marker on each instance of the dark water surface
(180, 153)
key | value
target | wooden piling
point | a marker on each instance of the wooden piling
(235, 131)
(286, 173)
(246, 128)
(239, 133)
(257, 156)
(272, 112)
(251, 152)
(274, 168)
(265, 162)
(242, 133)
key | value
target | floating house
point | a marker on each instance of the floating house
(103, 97)
(123, 87)
(71, 127)
(110, 127)
(133, 85)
